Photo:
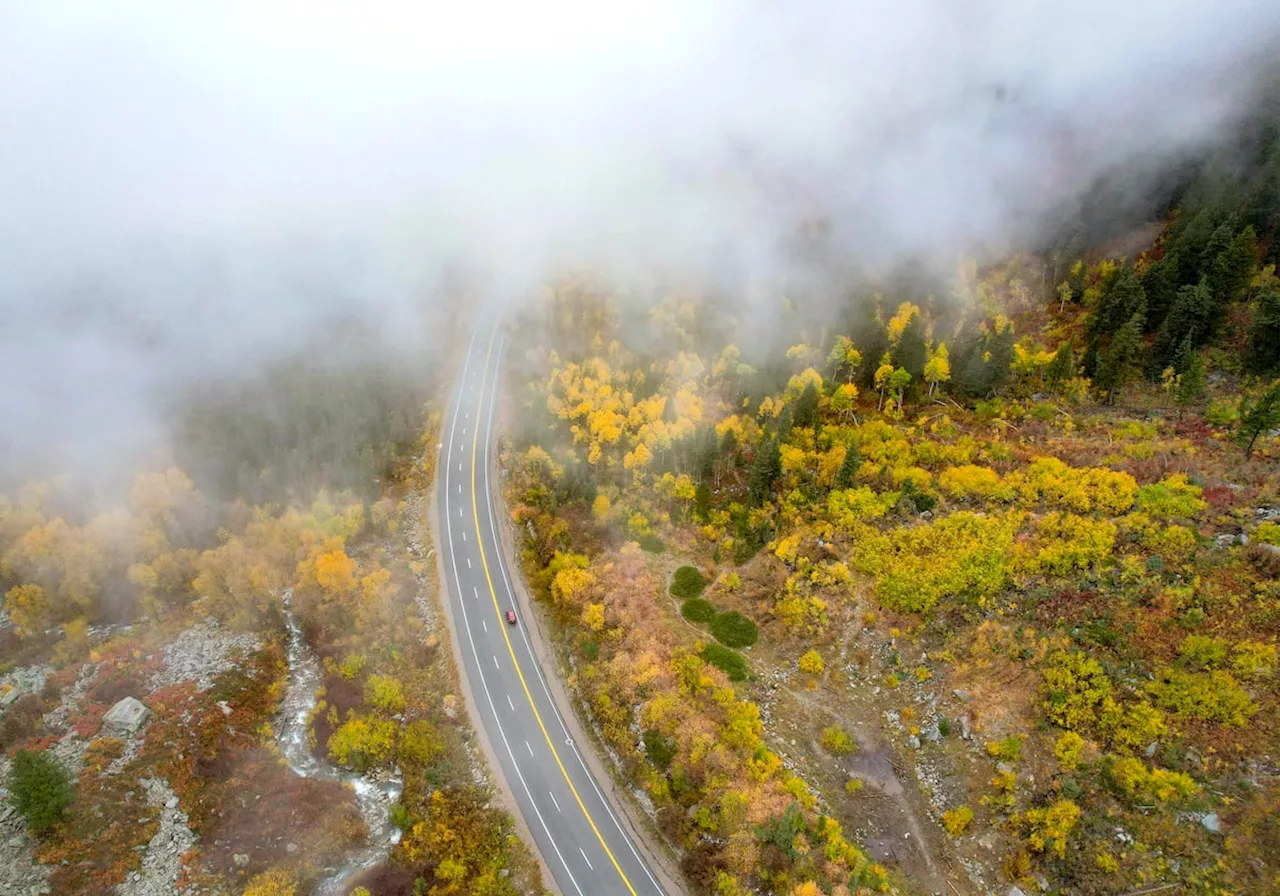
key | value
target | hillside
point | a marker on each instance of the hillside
(968, 590)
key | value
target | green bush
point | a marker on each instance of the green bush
(732, 629)
(651, 544)
(40, 789)
(730, 662)
(687, 582)
(836, 740)
(698, 610)
(660, 748)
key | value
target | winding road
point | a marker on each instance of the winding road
(574, 828)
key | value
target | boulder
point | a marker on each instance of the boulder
(126, 717)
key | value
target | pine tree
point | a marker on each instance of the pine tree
(785, 421)
(807, 406)
(702, 501)
(1191, 382)
(1001, 356)
(1258, 417)
(764, 472)
(1263, 355)
(1188, 320)
(911, 352)
(1160, 286)
(1120, 362)
(848, 471)
(1229, 274)
(1063, 366)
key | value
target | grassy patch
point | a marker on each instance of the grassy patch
(687, 582)
(730, 662)
(732, 629)
(651, 544)
(698, 610)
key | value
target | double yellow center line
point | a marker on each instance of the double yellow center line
(475, 512)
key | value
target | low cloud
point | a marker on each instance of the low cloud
(195, 189)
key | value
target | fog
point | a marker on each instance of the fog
(193, 189)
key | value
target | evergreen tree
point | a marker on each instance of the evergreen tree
(729, 443)
(846, 475)
(1263, 355)
(807, 406)
(1258, 417)
(1228, 276)
(871, 334)
(1191, 382)
(1063, 366)
(1001, 357)
(764, 472)
(40, 789)
(911, 352)
(1118, 303)
(702, 501)
(1188, 320)
(1160, 286)
(785, 421)
(1120, 362)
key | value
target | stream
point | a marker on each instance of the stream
(375, 794)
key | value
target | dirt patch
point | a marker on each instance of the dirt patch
(266, 816)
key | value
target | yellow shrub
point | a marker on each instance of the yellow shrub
(956, 821)
(811, 662)
(970, 481)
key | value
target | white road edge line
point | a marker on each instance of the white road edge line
(480, 670)
(537, 667)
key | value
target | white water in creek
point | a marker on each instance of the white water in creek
(374, 794)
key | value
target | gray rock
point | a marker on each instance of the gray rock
(171, 803)
(1150, 751)
(913, 742)
(1211, 822)
(126, 717)
(1016, 891)
(961, 694)
(240, 859)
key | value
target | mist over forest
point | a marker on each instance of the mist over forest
(201, 193)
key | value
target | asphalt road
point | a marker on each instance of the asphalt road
(573, 826)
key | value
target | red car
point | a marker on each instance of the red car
(511, 617)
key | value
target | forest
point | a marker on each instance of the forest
(314, 478)
(989, 567)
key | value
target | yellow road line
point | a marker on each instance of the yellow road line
(475, 512)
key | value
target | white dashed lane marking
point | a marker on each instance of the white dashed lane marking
(509, 703)
(553, 800)
(585, 859)
(529, 748)
(495, 664)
